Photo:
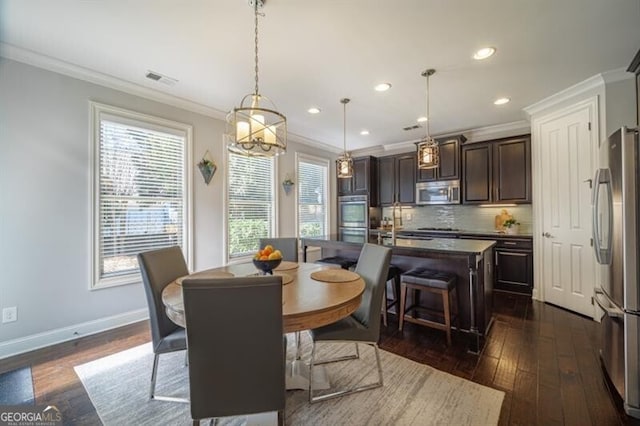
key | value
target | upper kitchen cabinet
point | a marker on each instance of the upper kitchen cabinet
(497, 171)
(363, 181)
(449, 164)
(397, 179)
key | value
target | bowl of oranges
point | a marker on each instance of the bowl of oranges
(267, 259)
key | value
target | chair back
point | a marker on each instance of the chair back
(287, 245)
(158, 269)
(235, 345)
(373, 267)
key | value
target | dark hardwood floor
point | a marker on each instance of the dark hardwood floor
(544, 359)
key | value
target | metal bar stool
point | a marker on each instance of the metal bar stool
(394, 274)
(441, 283)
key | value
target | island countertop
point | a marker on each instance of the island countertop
(435, 245)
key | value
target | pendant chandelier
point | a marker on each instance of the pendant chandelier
(252, 128)
(344, 163)
(428, 151)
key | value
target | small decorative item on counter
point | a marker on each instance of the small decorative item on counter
(287, 184)
(207, 167)
(511, 226)
(501, 219)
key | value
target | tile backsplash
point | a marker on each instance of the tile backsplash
(465, 217)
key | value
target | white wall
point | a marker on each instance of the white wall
(45, 204)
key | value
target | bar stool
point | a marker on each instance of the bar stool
(343, 262)
(393, 274)
(441, 283)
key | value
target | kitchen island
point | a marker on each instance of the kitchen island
(469, 260)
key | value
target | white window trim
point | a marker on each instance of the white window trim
(320, 160)
(96, 111)
(276, 202)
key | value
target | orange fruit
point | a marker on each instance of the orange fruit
(267, 251)
(264, 257)
(269, 246)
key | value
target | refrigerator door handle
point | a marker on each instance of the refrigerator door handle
(603, 255)
(606, 305)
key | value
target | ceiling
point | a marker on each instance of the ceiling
(312, 53)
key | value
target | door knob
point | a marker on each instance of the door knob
(546, 235)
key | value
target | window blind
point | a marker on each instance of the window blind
(141, 198)
(250, 214)
(312, 197)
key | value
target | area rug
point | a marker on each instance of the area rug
(16, 387)
(413, 393)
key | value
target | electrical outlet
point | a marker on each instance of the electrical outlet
(407, 216)
(10, 314)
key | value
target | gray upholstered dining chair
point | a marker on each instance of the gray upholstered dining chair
(363, 326)
(236, 350)
(159, 268)
(288, 246)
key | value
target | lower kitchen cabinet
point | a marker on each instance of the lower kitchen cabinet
(513, 270)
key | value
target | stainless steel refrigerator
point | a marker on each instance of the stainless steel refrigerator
(616, 230)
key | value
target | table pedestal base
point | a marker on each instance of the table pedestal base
(298, 376)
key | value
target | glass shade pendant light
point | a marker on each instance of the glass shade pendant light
(344, 163)
(428, 151)
(252, 128)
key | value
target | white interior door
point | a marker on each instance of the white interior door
(565, 167)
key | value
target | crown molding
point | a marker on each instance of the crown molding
(303, 140)
(473, 135)
(496, 131)
(66, 68)
(49, 63)
(597, 81)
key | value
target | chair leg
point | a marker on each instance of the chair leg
(403, 301)
(336, 394)
(447, 315)
(152, 390)
(298, 342)
(154, 375)
(281, 417)
(196, 422)
(384, 306)
(186, 358)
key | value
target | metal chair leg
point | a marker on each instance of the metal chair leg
(313, 399)
(152, 391)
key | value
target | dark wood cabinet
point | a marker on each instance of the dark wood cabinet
(514, 265)
(397, 179)
(497, 171)
(449, 165)
(363, 181)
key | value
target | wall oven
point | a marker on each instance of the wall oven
(441, 192)
(353, 211)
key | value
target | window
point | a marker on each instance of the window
(313, 204)
(140, 191)
(250, 203)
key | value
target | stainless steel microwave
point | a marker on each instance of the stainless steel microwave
(440, 192)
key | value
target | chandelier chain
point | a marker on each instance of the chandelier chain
(428, 117)
(256, 44)
(344, 127)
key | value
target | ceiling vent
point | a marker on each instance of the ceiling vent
(156, 76)
(415, 126)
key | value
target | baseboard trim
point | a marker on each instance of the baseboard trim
(60, 335)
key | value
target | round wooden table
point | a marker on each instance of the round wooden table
(307, 303)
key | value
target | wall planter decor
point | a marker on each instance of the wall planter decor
(207, 167)
(287, 185)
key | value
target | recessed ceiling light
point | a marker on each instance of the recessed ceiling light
(382, 87)
(422, 119)
(501, 101)
(484, 53)
(364, 132)
(313, 110)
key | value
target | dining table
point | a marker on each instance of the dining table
(313, 295)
